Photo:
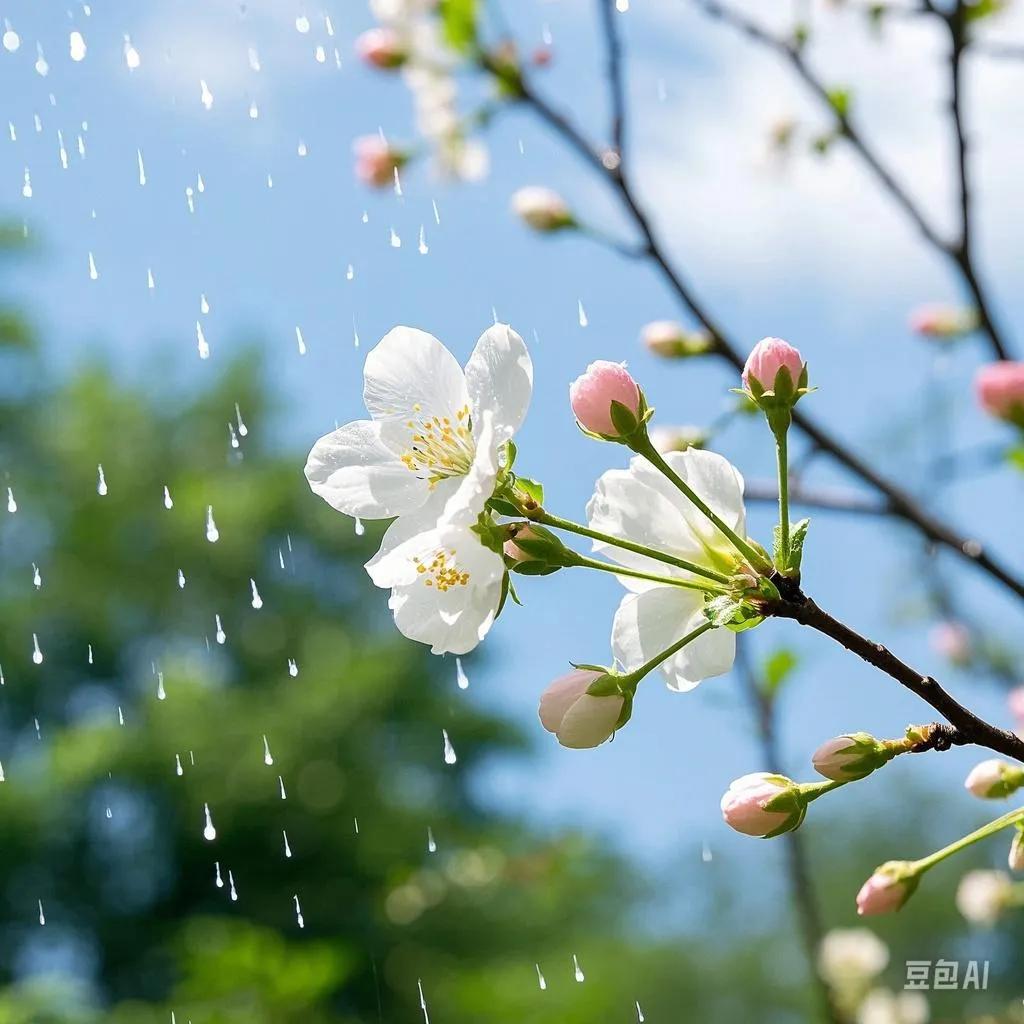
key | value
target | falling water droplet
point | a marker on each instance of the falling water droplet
(200, 184)
(161, 693)
(202, 346)
(181, 580)
(431, 844)
(12, 505)
(109, 813)
(217, 880)
(131, 55)
(639, 1013)
(120, 715)
(437, 212)
(449, 750)
(320, 54)
(101, 481)
(93, 272)
(541, 982)
(461, 679)
(423, 1001)
(37, 654)
(267, 758)
(577, 971)
(209, 832)
(178, 770)
(39, 735)
(62, 153)
(423, 247)
(257, 601)
(622, 6)
(3, 778)
(231, 887)
(26, 188)
(582, 313)
(42, 916)
(254, 58)
(205, 96)
(11, 39)
(168, 501)
(88, 656)
(76, 46)
(287, 848)
(280, 782)
(396, 242)
(212, 533)
(706, 855)
(243, 430)
(298, 913)
(150, 280)
(293, 667)
(220, 635)
(355, 825)
(37, 578)
(142, 168)
(398, 184)
(350, 272)
(299, 341)
(302, 149)
(254, 111)
(359, 527)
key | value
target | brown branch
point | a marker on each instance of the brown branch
(969, 727)
(616, 84)
(957, 251)
(900, 503)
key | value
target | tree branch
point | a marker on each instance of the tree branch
(969, 727)
(616, 85)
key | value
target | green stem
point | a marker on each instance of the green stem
(649, 666)
(782, 455)
(1011, 818)
(547, 519)
(643, 446)
(621, 570)
(812, 790)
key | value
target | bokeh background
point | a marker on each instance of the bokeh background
(421, 883)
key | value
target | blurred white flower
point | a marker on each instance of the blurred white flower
(884, 1007)
(850, 956)
(982, 895)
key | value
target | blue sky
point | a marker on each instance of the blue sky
(805, 249)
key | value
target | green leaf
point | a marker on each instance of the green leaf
(511, 451)
(983, 9)
(503, 507)
(458, 18)
(777, 668)
(797, 536)
(531, 488)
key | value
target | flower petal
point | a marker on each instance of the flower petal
(354, 472)
(647, 623)
(411, 378)
(476, 487)
(499, 379)
(589, 721)
(717, 482)
(452, 598)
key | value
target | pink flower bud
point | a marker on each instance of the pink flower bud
(1000, 390)
(993, 779)
(852, 756)
(887, 889)
(513, 550)
(592, 393)
(671, 340)
(382, 48)
(953, 641)
(376, 161)
(767, 358)
(745, 805)
(577, 718)
(1016, 856)
(943, 322)
(541, 208)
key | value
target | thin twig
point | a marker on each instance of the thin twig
(616, 85)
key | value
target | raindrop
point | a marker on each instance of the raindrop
(88, 656)
(142, 167)
(181, 580)
(42, 68)
(39, 735)
(11, 39)
(150, 282)
(131, 55)
(423, 1001)
(161, 693)
(366, 217)
(328, 25)
(10, 130)
(254, 59)
(12, 505)
(706, 855)
(577, 971)
(449, 750)
(212, 533)
(232, 890)
(62, 153)
(42, 916)
(300, 342)
(254, 111)
(280, 558)
(437, 213)
(93, 272)
(178, 770)
(217, 880)
(101, 482)
(76, 44)
(232, 436)
(120, 715)
(81, 147)
(355, 825)
(2, 680)
(190, 200)
(37, 578)
(398, 184)
(37, 654)
(205, 96)
(220, 635)
(431, 844)
(582, 313)
(280, 782)
(270, 181)
(3, 778)
(242, 428)
(110, 814)
(320, 55)
(359, 527)
(209, 832)
(302, 149)
(293, 667)
(287, 848)
(200, 184)
(168, 500)
(302, 24)
(298, 913)
(423, 248)
(26, 188)
(350, 272)
(396, 242)
(461, 679)
(622, 6)
(639, 1013)
(204, 308)
(267, 757)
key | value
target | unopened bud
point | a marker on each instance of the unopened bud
(542, 209)
(606, 400)
(1016, 857)
(578, 718)
(671, 340)
(891, 885)
(1000, 390)
(535, 550)
(763, 805)
(382, 48)
(994, 779)
(943, 323)
(851, 756)
(775, 374)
